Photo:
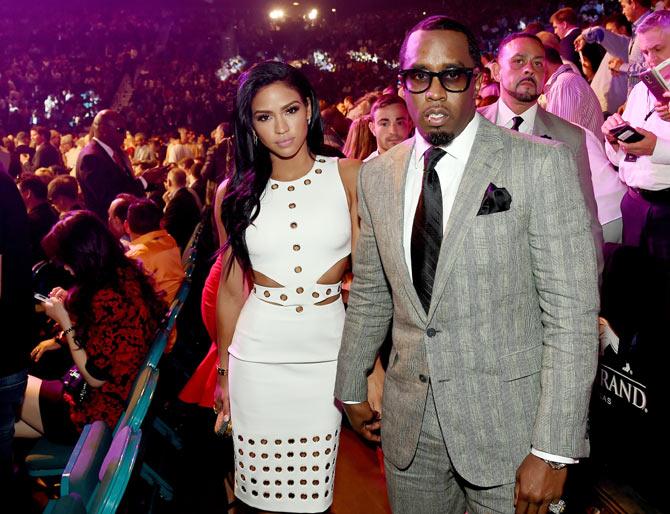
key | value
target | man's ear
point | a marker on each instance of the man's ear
(371, 126)
(401, 92)
(495, 71)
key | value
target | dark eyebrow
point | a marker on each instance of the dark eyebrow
(290, 104)
(446, 66)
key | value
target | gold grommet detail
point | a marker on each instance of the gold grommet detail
(266, 294)
(254, 292)
(299, 308)
(291, 188)
(318, 171)
(294, 225)
(291, 206)
(300, 290)
(274, 186)
(329, 290)
(283, 297)
(296, 248)
(297, 269)
(307, 182)
(315, 294)
(322, 160)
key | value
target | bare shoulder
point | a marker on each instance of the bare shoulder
(349, 169)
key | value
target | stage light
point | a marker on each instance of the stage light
(296, 3)
(312, 14)
(277, 14)
(333, 10)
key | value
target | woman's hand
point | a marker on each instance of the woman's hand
(222, 400)
(55, 309)
(45, 346)
(58, 292)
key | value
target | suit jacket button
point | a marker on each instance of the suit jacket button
(431, 332)
(423, 378)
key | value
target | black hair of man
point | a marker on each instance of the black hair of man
(144, 216)
(518, 35)
(443, 23)
(552, 55)
(121, 208)
(35, 185)
(566, 14)
(385, 101)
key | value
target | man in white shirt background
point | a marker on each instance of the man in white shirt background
(389, 122)
(645, 166)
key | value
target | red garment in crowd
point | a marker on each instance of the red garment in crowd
(116, 344)
(200, 388)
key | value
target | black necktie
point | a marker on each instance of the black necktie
(518, 120)
(427, 228)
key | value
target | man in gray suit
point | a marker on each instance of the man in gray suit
(521, 70)
(482, 261)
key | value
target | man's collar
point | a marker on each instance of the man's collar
(105, 147)
(505, 114)
(459, 148)
(145, 238)
(561, 69)
(637, 22)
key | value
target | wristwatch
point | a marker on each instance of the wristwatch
(555, 465)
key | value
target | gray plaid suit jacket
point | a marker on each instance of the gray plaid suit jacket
(512, 353)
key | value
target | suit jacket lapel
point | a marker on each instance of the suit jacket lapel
(541, 125)
(397, 221)
(480, 170)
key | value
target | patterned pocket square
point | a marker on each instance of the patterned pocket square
(496, 199)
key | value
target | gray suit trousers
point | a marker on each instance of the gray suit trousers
(430, 485)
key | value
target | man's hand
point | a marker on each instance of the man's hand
(644, 147)
(663, 108)
(537, 485)
(614, 65)
(611, 122)
(364, 420)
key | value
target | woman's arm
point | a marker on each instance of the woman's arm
(56, 310)
(230, 297)
(349, 169)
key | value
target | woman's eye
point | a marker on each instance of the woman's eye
(262, 118)
(293, 109)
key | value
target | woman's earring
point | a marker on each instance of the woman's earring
(255, 139)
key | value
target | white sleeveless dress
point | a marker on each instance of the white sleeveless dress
(283, 355)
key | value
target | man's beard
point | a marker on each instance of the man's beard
(527, 97)
(441, 138)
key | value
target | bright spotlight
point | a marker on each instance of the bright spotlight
(333, 9)
(277, 14)
(312, 14)
(296, 3)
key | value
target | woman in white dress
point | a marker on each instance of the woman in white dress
(290, 220)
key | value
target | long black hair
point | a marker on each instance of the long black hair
(85, 244)
(241, 203)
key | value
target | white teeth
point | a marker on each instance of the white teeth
(435, 116)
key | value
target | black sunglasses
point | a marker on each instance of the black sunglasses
(454, 80)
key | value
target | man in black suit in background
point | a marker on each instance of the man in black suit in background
(103, 168)
(182, 212)
(566, 26)
(46, 154)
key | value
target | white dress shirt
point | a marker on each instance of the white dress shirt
(449, 169)
(505, 117)
(651, 172)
